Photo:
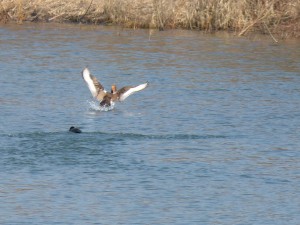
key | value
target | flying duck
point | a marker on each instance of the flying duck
(108, 98)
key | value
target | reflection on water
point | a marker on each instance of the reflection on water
(212, 140)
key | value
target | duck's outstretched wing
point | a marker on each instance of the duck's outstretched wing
(93, 84)
(124, 92)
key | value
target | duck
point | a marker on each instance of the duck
(106, 98)
(74, 129)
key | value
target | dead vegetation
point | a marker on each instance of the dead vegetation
(278, 17)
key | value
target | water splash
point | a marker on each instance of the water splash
(94, 106)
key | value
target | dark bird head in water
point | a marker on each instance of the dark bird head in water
(74, 130)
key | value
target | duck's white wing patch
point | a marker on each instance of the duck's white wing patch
(92, 83)
(127, 91)
(88, 80)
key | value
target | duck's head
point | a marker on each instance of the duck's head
(113, 89)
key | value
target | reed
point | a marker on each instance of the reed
(277, 17)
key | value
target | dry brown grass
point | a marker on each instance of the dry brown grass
(280, 17)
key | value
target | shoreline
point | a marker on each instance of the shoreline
(274, 18)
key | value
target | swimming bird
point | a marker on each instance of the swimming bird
(108, 98)
(74, 130)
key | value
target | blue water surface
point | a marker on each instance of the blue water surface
(214, 139)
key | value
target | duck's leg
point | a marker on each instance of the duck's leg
(105, 102)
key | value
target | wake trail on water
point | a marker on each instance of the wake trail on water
(108, 135)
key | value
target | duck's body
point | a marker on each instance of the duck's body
(107, 98)
(74, 130)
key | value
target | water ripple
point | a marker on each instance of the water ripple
(107, 135)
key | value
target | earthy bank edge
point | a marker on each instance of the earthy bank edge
(280, 18)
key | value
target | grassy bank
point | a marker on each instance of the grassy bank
(278, 17)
